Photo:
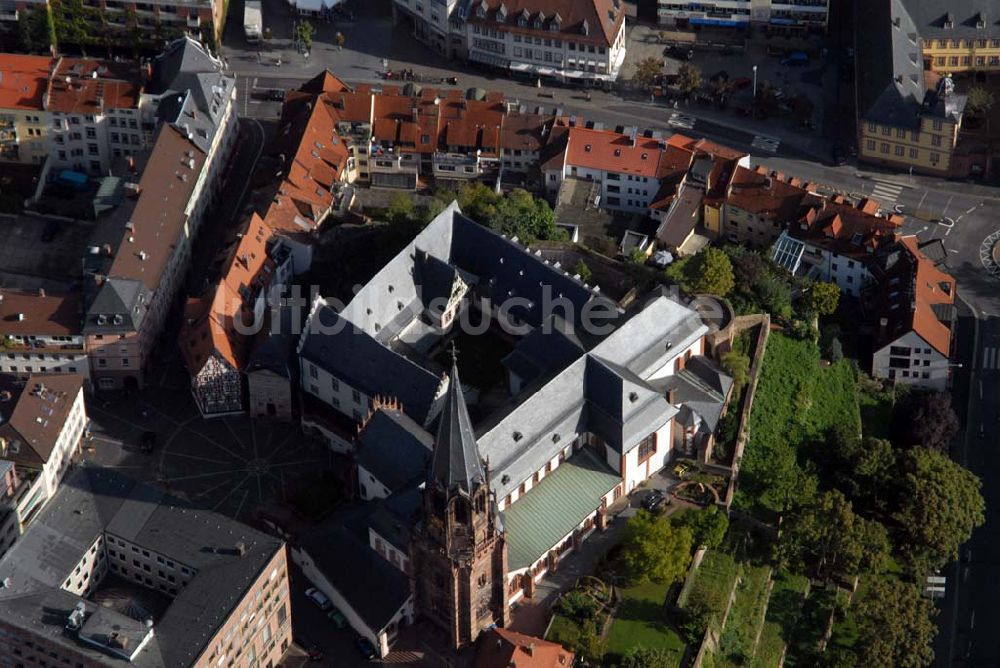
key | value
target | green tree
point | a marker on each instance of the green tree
(713, 273)
(708, 527)
(478, 201)
(894, 625)
(677, 273)
(400, 208)
(927, 419)
(939, 504)
(647, 72)
(737, 365)
(654, 549)
(688, 79)
(583, 271)
(647, 657)
(523, 215)
(304, 32)
(874, 470)
(636, 256)
(774, 296)
(590, 646)
(823, 297)
(980, 100)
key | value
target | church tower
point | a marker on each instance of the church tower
(458, 553)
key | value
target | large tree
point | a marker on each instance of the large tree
(523, 215)
(647, 657)
(927, 419)
(647, 72)
(874, 470)
(654, 549)
(712, 273)
(737, 365)
(894, 625)
(823, 298)
(938, 505)
(708, 527)
(688, 79)
(980, 100)
(829, 539)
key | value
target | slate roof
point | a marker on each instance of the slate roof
(332, 342)
(700, 389)
(123, 297)
(394, 448)
(456, 465)
(548, 348)
(92, 501)
(930, 16)
(274, 348)
(555, 507)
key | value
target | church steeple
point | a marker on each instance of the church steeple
(456, 466)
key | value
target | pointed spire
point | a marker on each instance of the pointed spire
(456, 464)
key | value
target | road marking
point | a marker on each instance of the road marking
(885, 192)
(991, 360)
(947, 204)
(922, 198)
(766, 143)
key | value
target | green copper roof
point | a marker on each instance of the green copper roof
(561, 501)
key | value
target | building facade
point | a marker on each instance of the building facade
(774, 16)
(43, 333)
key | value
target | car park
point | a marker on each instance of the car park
(319, 598)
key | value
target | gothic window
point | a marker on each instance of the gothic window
(461, 511)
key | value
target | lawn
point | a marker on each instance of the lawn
(712, 582)
(769, 648)
(797, 400)
(738, 638)
(640, 621)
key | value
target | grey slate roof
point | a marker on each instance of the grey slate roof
(275, 348)
(193, 89)
(122, 297)
(356, 358)
(884, 51)
(394, 448)
(621, 407)
(700, 388)
(456, 465)
(92, 501)
(548, 348)
(930, 17)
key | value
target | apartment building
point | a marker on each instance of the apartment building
(137, 579)
(129, 290)
(42, 428)
(773, 16)
(759, 205)
(42, 333)
(914, 304)
(963, 36)
(219, 327)
(568, 41)
(77, 113)
(838, 242)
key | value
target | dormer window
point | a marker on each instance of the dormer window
(481, 11)
(949, 21)
(981, 21)
(556, 24)
(586, 148)
(502, 13)
(537, 25)
(585, 28)
(522, 20)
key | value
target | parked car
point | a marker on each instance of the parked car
(319, 598)
(311, 649)
(337, 617)
(653, 500)
(796, 59)
(366, 648)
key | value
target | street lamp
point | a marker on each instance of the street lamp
(753, 100)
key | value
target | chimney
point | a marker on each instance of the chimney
(41, 292)
(672, 396)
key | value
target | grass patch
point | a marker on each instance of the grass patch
(769, 648)
(712, 582)
(797, 400)
(876, 409)
(640, 621)
(740, 634)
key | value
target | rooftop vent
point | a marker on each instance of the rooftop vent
(20, 317)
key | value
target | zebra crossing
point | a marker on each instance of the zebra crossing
(991, 358)
(681, 121)
(885, 192)
(766, 143)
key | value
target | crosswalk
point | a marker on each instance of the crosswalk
(886, 193)
(766, 143)
(991, 358)
(681, 121)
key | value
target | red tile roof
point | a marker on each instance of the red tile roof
(611, 151)
(502, 648)
(36, 413)
(45, 314)
(921, 287)
(23, 80)
(82, 86)
(839, 227)
(760, 193)
(159, 216)
(603, 18)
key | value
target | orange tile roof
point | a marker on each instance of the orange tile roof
(611, 151)
(159, 216)
(23, 80)
(83, 86)
(931, 287)
(210, 325)
(44, 314)
(503, 648)
(839, 227)
(603, 17)
(765, 195)
(38, 414)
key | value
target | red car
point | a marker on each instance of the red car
(742, 82)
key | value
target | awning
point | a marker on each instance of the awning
(553, 509)
(783, 22)
(725, 23)
(488, 59)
